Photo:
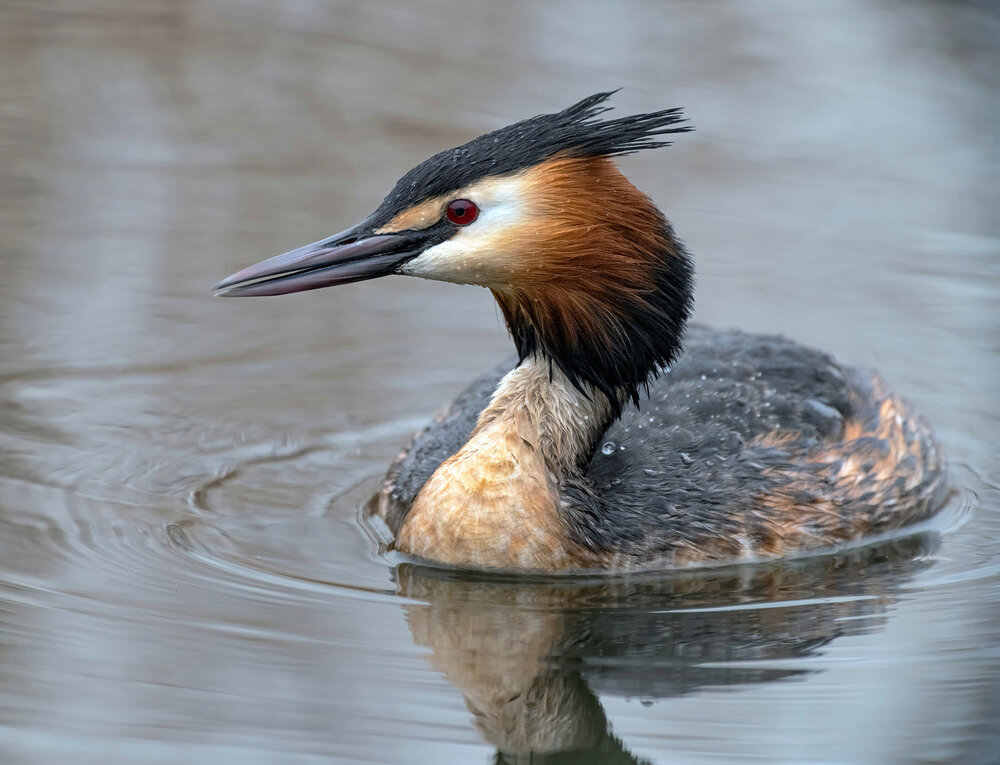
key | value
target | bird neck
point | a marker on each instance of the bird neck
(608, 290)
(496, 502)
(596, 312)
(557, 419)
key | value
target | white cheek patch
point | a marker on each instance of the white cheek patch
(476, 253)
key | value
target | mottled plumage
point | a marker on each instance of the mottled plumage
(749, 446)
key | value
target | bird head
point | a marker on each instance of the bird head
(585, 268)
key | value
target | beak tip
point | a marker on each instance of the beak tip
(226, 286)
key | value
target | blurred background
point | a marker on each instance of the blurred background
(183, 575)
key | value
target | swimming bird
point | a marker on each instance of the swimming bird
(615, 440)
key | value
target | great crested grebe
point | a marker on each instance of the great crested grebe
(603, 446)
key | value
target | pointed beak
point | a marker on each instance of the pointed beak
(340, 259)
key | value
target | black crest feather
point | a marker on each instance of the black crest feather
(576, 131)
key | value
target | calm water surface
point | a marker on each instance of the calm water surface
(183, 575)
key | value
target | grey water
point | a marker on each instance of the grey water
(183, 573)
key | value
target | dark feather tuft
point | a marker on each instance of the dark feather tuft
(576, 132)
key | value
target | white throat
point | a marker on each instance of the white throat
(547, 410)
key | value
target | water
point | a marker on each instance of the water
(183, 577)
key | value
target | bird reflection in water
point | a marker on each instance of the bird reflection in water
(532, 656)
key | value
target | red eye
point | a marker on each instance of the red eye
(462, 212)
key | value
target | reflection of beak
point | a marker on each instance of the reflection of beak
(343, 258)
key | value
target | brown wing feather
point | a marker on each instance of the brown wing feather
(887, 471)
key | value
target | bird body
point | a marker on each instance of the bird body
(603, 445)
(749, 447)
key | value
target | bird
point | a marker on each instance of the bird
(620, 437)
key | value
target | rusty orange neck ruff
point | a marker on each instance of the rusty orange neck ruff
(607, 288)
(496, 502)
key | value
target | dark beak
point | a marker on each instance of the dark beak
(340, 259)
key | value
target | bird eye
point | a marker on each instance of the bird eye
(461, 212)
